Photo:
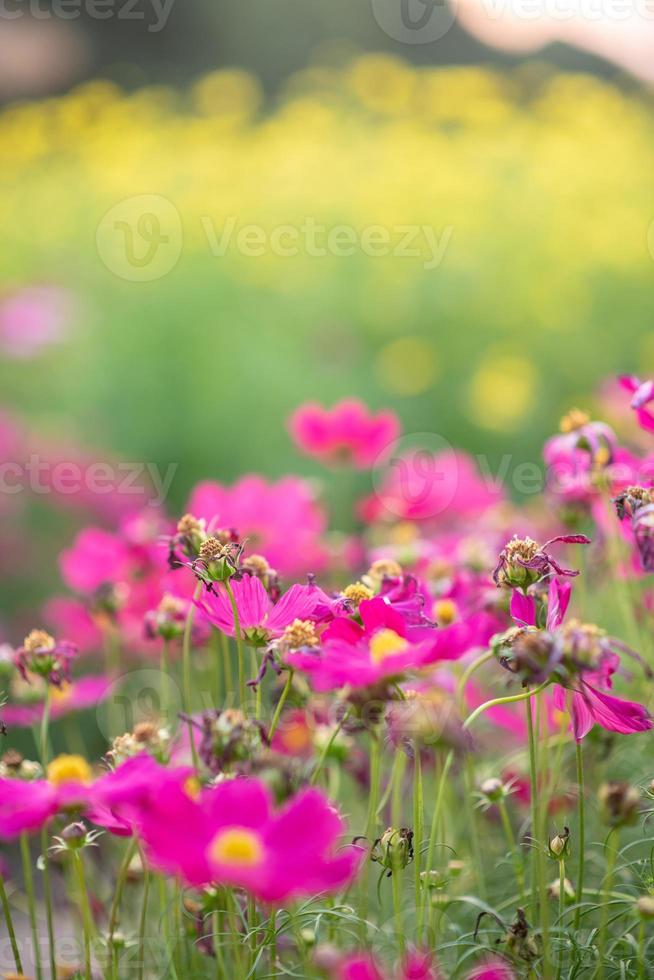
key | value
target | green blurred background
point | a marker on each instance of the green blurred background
(533, 171)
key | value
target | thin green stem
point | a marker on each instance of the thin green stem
(397, 908)
(6, 908)
(227, 664)
(581, 833)
(85, 912)
(47, 891)
(612, 847)
(327, 746)
(467, 674)
(186, 670)
(418, 811)
(239, 644)
(280, 704)
(31, 904)
(45, 725)
(164, 668)
(118, 894)
(536, 864)
(559, 971)
(143, 921)
(511, 699)
(513, 847)
(641, 950)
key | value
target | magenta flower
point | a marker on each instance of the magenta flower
(361, 966)
(232, 835)
(260, 619)
(87, 692)
(346, 433)
(279, 520)
(120, 797)
(427, 486)
(381, 649)
(27, 804)
(96, 558)
(642, 395)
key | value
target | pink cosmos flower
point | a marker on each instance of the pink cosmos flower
(27, 805)
(96, 557)
(359, 967)
(642, 395)
(347, 433)
(260, 619)
(72, 618)
(70, 697)
(232, 835)
(279, 520)
(426, 486)
(381, 649)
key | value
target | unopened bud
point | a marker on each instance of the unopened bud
(645, 906)
(559, 845)
(493, 789)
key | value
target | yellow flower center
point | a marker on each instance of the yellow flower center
(237, 847)
(386, 643)
(69, 769)
(61, 694)
(193, 787)
(445, 611)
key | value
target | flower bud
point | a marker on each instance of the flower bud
(645, 906)
(493, 789)
(559, 845)
(395, 849)
(554, 889)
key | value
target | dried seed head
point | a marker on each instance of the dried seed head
(257, 565)
(300, 633)
(38, 640)
(189, 525)
(619, 803)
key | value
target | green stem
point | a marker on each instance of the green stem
(513, 847)
(45, 724)
(280, 704)
(143, 921)
(6, 908)
(118, 894)
(239, 644)
(559, 971)
(326, 748)
(418, 811)
(165, 683)
(227, 664)
(511, 699)
(186, 669)
(467, 674)
(537, 869)
(29, 889)
(581, 832)
(397, 907)
(47, 890)
(85, 911)
(641, 950)
(612, 845)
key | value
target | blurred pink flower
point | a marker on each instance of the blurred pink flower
(74, 696)
(347, 433)
(426, 486)
(33, 319)
(280, 520)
